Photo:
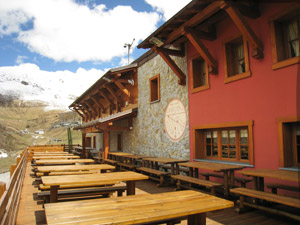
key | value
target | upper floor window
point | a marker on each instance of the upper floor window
(154, 83)
(285, 38)
(230, 142)
(236, 58)
(199, 74)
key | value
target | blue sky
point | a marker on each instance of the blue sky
(82, 38)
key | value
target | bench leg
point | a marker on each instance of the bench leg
(53, 194)
(161, 180)
(212, 191)
(178, 185)
(130, 186)
(120, 193)
(198, 219)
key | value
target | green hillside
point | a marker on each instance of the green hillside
(19, 126)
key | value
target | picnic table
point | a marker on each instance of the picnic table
(71, 168)
(153, 163)
(137, 209)
(259, 175)
(92, 180)
(226, 169)
(62, 161)
(130, 161)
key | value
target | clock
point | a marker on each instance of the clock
(175, 119)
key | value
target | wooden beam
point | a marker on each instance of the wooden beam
(83, 111)
(245, 29)
(94, 112)
(98, 103)
(118, 128)
(179, 53)
(86, 110)
(202, 50)
(210, 36)
(79, 113)
(107, 99)
(172, 65)
(249, 9)
(195, 20)
(124, 90)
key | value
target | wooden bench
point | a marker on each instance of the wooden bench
(271, 197)
(83, 192)
(192, 180)
(126, 166)
(38, 174)
(275, 186)
(161, 174)
(241, 180)
(45, 187)
(111, 162)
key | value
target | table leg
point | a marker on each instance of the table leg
(226, 186)
(198, 219)
(191, 172)
(53, 194)
(130, 187)
(231, 178)
(172, 169)
(177, 169)
(255, 183)
(261, 184)
(196, 173)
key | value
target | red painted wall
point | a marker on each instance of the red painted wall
(265, 96)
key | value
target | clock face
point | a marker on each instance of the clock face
(175, 119)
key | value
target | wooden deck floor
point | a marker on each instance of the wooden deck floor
(31, 211)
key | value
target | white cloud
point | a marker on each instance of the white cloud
(168, 7)
(59, 88)
(66, 31)
(20, 59)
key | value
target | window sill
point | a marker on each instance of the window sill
(198, 89)
(285, 63)
(237, 77)
(225, 162)
(155, 101)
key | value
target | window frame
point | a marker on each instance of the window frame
(247, 73)
(284, 162)
(203, 87)
(276, 47)
(199, 142)
(157, 78)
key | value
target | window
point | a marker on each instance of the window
(236, 59)
(289, 142)
(285, 37)
(230, 142)
(154, 88)
(199, 74)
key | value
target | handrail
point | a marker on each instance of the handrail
(9, 201)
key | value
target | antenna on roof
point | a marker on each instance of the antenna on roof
(127, 45)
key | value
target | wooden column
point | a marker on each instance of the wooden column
(106, 142)
(2, 188)
(83, 145)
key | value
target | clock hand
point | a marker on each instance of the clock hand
(176, 121)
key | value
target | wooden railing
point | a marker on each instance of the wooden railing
(10, 198)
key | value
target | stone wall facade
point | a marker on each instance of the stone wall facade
(148, 136)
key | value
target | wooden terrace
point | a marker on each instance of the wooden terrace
(20, 204)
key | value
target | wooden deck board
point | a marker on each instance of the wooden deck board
(31, 212)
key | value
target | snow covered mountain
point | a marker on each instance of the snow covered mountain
(57, 89)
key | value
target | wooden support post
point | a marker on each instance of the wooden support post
(106, 143)
(202, 50)
(83, 145)
(130, 187)
(245, 29)
(12, 169)
(172, 65)
(2, 188)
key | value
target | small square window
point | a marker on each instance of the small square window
(236, 59)
(285, 37)
(154, 83)
(199, 74)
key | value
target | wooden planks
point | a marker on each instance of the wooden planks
(135, 209)
(63, 161)
(70, 168)
(277, 174)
